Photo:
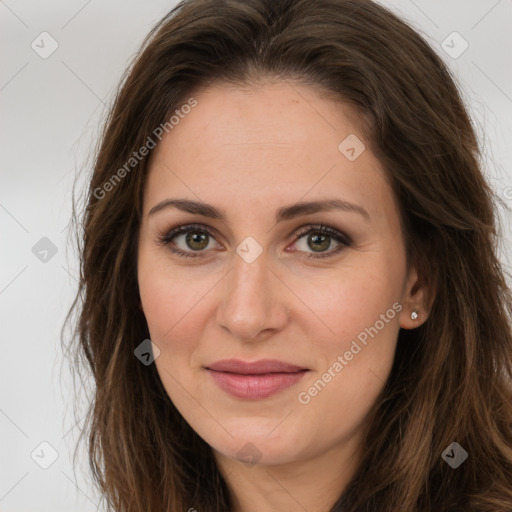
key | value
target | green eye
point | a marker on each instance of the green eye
(197, 239)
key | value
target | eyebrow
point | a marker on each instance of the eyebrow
(282, 214)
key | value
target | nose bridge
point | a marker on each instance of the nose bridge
(251, 301)
(249, 277)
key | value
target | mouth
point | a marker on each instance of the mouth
(255, 380)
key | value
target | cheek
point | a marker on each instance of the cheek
(344, 302)
(354, 365)
(359, 310)
(171, 302)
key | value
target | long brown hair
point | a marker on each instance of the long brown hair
(452, 377)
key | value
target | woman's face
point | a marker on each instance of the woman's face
(260, 282)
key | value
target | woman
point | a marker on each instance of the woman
(290, 297)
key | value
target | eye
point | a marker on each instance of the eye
(319, 239)
(197, 238)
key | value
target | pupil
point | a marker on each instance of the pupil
(194, 238)
(322, 238)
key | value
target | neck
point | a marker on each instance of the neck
(312, 484)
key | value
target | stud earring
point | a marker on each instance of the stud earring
(415, 315)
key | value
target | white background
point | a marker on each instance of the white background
(51, 111)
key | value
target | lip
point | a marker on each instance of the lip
(255, 380)
(262, 366)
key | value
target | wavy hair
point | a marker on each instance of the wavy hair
(452, 377)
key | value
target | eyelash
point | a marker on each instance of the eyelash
(319, 229)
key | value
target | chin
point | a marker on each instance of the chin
(257, 444)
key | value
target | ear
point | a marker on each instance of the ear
(418, 297)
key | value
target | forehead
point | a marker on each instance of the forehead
(267, 144)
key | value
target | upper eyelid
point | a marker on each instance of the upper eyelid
(297, 233)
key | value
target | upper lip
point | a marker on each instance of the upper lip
(256, 367)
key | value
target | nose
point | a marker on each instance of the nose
(253, 304)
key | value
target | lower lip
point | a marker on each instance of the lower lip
(255, 387)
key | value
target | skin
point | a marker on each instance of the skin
(249, 151)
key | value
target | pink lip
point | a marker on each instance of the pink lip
(257, 367)
(256, 380)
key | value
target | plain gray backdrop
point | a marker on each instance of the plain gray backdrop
(53, 99)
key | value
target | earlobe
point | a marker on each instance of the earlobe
(415, 318)
(416, 303)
